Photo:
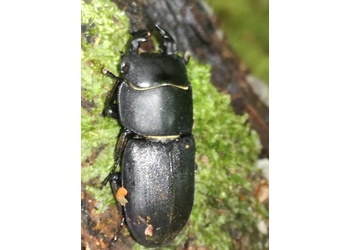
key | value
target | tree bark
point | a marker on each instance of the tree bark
(196, 30)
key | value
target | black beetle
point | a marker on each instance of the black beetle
(153, 103)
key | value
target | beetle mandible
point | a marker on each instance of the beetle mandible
(152, 100)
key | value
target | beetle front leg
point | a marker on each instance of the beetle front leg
(111, 108)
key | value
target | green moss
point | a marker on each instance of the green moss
(226, 151)
(105, 32)
(246, 24)
(226, 146)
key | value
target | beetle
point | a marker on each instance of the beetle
(152, 101)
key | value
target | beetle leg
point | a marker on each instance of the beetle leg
(111, 108)
(115, 181)
(117, 232)
(169, 43)
(119, 148)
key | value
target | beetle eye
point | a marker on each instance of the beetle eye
(124, 68)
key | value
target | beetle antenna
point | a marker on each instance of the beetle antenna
(110, 74)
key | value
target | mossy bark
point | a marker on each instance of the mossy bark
(225, 211)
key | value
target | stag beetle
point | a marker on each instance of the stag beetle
(152, 100)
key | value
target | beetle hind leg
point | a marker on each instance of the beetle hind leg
(115, 181)
(117, 232)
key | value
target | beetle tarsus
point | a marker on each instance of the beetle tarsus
(117, 232)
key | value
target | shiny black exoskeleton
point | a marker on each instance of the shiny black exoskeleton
(156, 151)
